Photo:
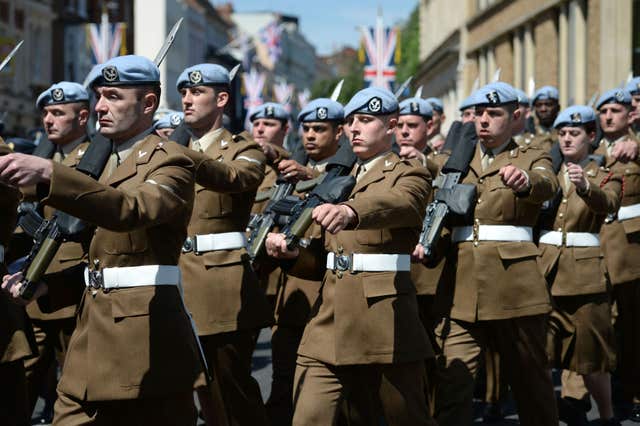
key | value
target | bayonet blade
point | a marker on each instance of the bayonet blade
(10, 55)
(532, 88)
(167, 43)
(496, 75)
(402, 87)
(419, 92)
(593, 99)
(336, 91)
(233, 72)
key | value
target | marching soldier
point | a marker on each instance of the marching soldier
(546, 107)
(633, 87)
(436, 138)
(620, 241)
(467, 110)
(365, 333)
(581, 336)
(16, 339)
(133, 357)
(65, 112)
(521, 134)
(499, 296)
(221, 288)
(321, 121)
(165, 126)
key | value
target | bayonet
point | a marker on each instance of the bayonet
(336, 91)
(233, 72)
(419, 92)
(402, 87)
(496, 75)
(10, 55)
(593, 99)
(167, 43)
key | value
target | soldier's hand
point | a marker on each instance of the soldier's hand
(276, 246)
(408, 151)
(577, 177)
(12, 285)
(333, 218)
(269, 151)
(294, 171)
(24, 170)
(625, 151)
(514, 178)
(418, 254)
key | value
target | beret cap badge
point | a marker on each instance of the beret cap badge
(322, 113)
(57, 94)
(195, 77)
(375, 104)
(110, 73)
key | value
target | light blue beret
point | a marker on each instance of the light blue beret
(169, 121)
(129, 70)
(372, 101)
(322, 109)
(436, 104)
(468, 102)
(416, 106)
(203, 75)
(614, 96)
(495, 94)
(523, 99)
(544, 93)
(64, 92)
(633, 86)
(575, 115)
(270, 110)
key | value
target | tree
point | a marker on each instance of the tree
(409, 47)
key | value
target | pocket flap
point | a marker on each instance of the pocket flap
(517, 250)
(379, 284)
(631, 225)
(586, 252)
(130, 302)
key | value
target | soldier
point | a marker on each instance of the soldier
(65, 112)
(321, 121)
(546, 108)
(165, 126)
(467, 110)
(581, 336)
(133, 357)
(221, 288)
(436, 138)
(633, 87)
(499, 295)
(365, 333)
(16, 339)
(620, 241)
(521, 134)
(414, 124)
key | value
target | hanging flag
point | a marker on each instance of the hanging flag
(283, 93)
(253, 85)
(106, 40)
(380, 60)
(303, 98)
(270, 38)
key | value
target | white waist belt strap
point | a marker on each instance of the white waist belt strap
(222, 241)
(629, 212)
(135, 276)
(573, 239)
(369, 262)
(1, 253)
(492, 233)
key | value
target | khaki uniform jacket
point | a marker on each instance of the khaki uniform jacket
(221, 289)
(70, 260)
(130, 342)
(426, 278)
(581, 270)
(500, 280)
(372, 317)
(16, 337)
(621, 239)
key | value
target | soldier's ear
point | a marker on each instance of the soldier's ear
(222, 99)
(338, 133)
(150, 103)
(516, 114)
(83, 116)
(392, 123)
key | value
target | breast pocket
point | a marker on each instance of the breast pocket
(501, 200)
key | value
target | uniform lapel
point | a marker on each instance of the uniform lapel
(476, 161)
(376, 173)
(502, 159)
(140, 155)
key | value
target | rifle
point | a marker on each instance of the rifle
(261, 224)
(334, 188)
(452, 197)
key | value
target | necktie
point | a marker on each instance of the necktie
(610, 146)
(486, 160)
(195, 145)
(566, 180)
(57, 156)
(114, 160)
(359, 171)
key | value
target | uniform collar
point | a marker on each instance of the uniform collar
(497, 150)
(126, 148)
(68, 147)
(319, 166)
(209, 138)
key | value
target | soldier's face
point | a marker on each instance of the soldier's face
(320, 139)
(468, 115)
(437, 120)
(575, 142)
(124, 112)
(269, 130)
(614, 119)
(546, 109)
(370, 134)
(64, 123)
(202, 106)
(412, 131)
(494, 125)
(635, 108)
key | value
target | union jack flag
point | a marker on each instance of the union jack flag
(270, 35)
(106, 41)
(380, 60)
(303, 98)
(253, 85)
(283, 93)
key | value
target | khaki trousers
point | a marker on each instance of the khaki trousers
(229, 359)
(173, 410)
(520, 343)
(320, 389)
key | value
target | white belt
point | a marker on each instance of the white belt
(133, 276)
(212, 242)
(629, 212)
(1, 253)
(357, 262)
(572, 239)
(492, 233)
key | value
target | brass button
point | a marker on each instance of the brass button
(340, 249)
(481, 180)
(564, 201)
(561, 215)
(559, 229)
(339, 274)
(479, 200)
(475, 244)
